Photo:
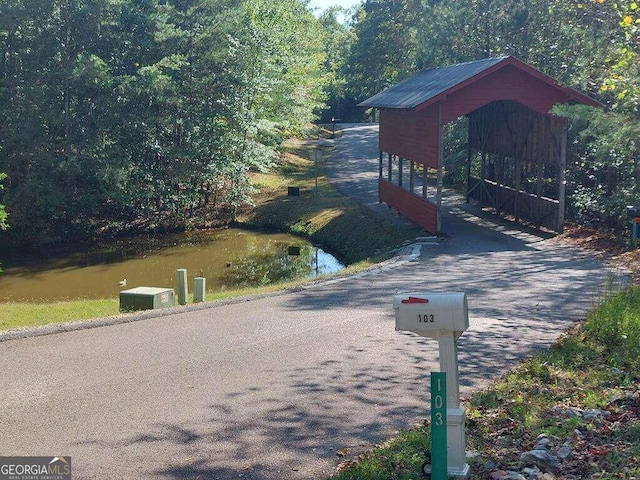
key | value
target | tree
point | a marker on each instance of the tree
(604, 175)
(385, 48)
(338, 39)
(270, 82)
(147, 114)
(3, 211)
(621, 81)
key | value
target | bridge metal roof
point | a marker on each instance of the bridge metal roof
(425, 87)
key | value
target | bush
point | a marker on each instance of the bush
(616, 326)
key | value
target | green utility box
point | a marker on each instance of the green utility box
(146, 298)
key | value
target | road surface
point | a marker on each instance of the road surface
(273, 387)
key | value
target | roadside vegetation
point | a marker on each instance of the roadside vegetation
(579, 402)
(125, 117)
(320, 213)
(15, 315)
(352, 233)
(19, 315)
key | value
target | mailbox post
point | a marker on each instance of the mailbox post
(444, 317)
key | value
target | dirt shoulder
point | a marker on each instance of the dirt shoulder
(606, 245)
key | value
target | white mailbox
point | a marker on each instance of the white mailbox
(431, 314)
(443, 316)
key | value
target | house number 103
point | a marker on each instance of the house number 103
(439, 426)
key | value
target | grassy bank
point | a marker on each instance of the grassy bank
(21, 315)
(330, 220)
(582, 394)
(334, 222)
(17, 315)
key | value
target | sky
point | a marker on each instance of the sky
(323, 4)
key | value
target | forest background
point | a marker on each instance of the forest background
(121, 116)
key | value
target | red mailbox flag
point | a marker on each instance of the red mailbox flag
(415, 300)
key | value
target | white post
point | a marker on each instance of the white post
(456, 441)
(448, 350)
(444, 317)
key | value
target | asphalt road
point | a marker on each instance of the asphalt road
(274, 387)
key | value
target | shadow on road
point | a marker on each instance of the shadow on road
(366, 381)
(523, 292)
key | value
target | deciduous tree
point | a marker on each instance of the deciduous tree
(128, 114)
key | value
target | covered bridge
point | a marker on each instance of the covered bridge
(516, 149)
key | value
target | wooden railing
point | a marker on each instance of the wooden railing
(540, 211)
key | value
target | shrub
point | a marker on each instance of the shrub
(616, 326)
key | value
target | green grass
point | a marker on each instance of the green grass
(330, 220)
(21, 315)
(616, 326)
(595, 365)
(16, 315)
(402, 457)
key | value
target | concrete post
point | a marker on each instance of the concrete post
(199, 289)
(456, 441)
(182, 286)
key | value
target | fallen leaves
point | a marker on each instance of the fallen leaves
(606, 442)
(343, 452)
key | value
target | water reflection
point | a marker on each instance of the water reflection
(227, 258)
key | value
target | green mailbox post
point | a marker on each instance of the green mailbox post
(444, 317)
(439, 426)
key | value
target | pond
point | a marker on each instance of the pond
(227, 258)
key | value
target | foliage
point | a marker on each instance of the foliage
(267, 267)
(384, 49)
(149, 114)
(454, 142)
(3, 212)
(400, 458)
(604, 176)
(616, 326)
(622, 75)
(337, 40)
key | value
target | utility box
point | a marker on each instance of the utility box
(431, 314)
(146, 298)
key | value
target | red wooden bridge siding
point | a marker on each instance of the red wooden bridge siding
(508, 83)
(419, 211)
(410, 134)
